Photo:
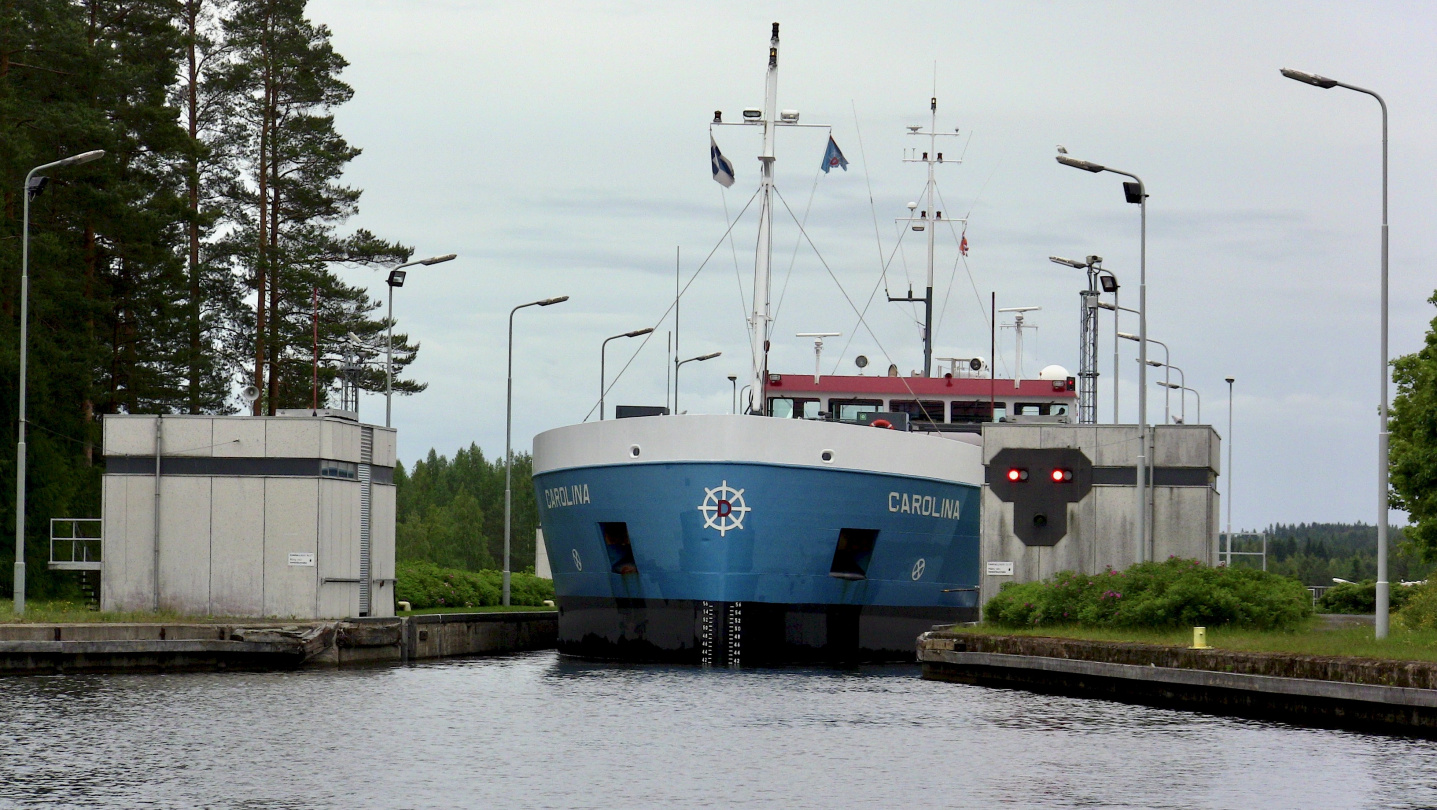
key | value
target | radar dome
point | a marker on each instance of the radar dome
(1053, 372)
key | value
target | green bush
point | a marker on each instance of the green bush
(1158, 595)
(1361, 597)
(425, 585)
(1419, 608)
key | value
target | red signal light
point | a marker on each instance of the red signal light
(1061, 475)
(1017, 474)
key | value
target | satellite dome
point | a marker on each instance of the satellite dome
(1053, 372)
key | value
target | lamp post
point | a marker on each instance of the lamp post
(508, 425)
(1167, 408)
(680, 365)
(32, 187)
(1178, 387)
(1088, 338)
(1135, 192)
(1182, 378)
(602, 348)
(733, 380)
(1229, 471)
(1110, 283)
(396, 279)
(1383, 457)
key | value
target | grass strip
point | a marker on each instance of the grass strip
(1312, 637)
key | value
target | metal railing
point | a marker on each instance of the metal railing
(76, 543)
(1229, 553)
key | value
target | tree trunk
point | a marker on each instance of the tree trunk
(192, 12)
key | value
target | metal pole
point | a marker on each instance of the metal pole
(1383, 455)
(20, 457)
(1142, 472)
(509, 454)
(1229, 471)
(389, 360)
(1116, 329)
(603, 347)
(24, 358)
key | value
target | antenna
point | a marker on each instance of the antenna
(927, 219)
(1018, 326)
(818, 348)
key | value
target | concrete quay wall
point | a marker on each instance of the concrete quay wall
(199, 647)
(1394, 697)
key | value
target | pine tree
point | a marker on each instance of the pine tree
(285, 212)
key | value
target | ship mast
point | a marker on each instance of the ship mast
(760, 320)
(927, 220)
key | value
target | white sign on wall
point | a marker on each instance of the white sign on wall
(1000, 569)
(307, 558)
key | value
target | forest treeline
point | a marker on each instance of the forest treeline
(1314, 553)
(451, 512)
(191, 258)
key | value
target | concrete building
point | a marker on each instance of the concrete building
(1035, 526)
(286, 516)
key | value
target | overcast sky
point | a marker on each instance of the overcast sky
(562, 149)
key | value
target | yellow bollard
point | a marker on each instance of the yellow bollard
(1200, 639)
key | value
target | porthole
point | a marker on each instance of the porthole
(634, 451)
(827, 456)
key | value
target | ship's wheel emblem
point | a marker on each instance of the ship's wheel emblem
(723, 508)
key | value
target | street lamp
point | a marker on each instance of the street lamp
(604, 347)
(32, 187)
(680, 365)
(733, 380)
(1182, 378)
(1383, 456)
(1167, 402)
(1185, 389)
(396, 279)
(1088, 338)
(1135, 192)
(1229, 471)
(508, 425)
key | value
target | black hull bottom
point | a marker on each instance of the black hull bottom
(744, 633)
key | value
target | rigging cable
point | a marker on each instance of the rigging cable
(670, 307)
(839, 284)
(742, 299)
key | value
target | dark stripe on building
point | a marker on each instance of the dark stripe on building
(230, 467)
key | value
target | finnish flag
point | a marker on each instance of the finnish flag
(723, 170)
(833, 156)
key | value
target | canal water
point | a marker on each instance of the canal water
(535, 730)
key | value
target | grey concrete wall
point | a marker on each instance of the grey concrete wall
(225, 540)
(1102, 527)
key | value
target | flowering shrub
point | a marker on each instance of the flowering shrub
(426, 585)
(1174, 593)
(1361, 597)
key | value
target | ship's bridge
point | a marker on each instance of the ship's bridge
(946, 403)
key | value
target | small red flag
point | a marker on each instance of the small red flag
(963, 246)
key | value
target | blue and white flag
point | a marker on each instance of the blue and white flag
(723, 170)
(833, 156)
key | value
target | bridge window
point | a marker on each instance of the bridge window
(1040, 409)
(918, 411)
(794, 408)
(969, 413)
(847, 410)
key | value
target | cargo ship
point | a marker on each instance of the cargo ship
(833, 519)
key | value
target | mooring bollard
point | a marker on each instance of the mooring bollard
(1200, 639)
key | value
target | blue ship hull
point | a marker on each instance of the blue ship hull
(728, 562)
